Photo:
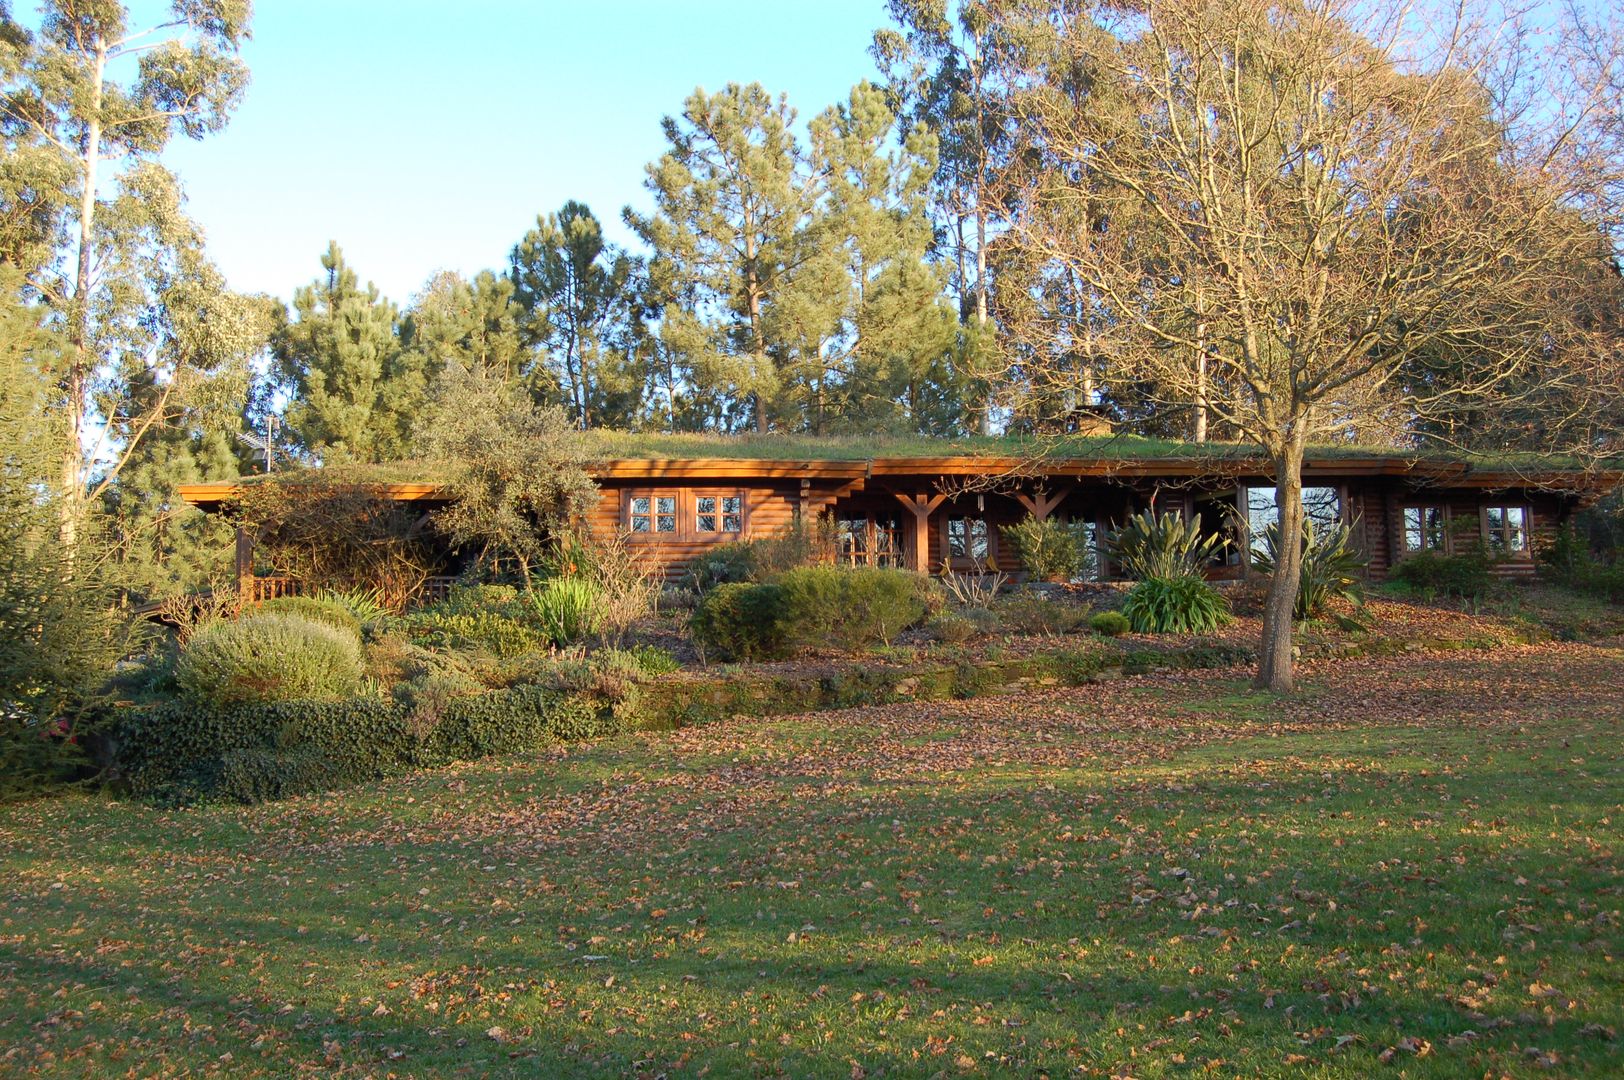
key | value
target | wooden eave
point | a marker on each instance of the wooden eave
(221, 492)
(852, 474)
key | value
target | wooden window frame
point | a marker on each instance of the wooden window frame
(1526, 552)
(1403, 548)
(691, 516)
(686, 507)
(866, 549)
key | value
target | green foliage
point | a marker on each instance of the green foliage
(850, 607)
(1035, 613)
(950, 628)
(314, 608)
(1467, 574)
(1180, 605)
(367, 605)
(272, 657)
(648, 659)
(1331, 568)
(1166, 546)
(337, 355)
(496, 632)
(1568, 560)
(566, 610)
(1110, 624)
(742, 621)
(517, 470)
(1050, 550)
(176, 752)
(725, 564)
(576, 301)
(59, 640)
(764, 558)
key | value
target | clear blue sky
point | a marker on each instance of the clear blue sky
(425, 136)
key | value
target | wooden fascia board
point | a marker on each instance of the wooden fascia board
(726, 468)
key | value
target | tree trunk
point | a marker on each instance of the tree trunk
(981, 303)
(1274, 669)
(73, 460)
(1201, 384)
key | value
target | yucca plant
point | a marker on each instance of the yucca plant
(1167, 547)
(367, 605)
(1186, 604)
(1331, 566)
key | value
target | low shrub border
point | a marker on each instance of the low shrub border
(175, 753)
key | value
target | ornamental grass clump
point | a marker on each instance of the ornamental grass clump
(1178, 605)
(268, 657)
(567, 609)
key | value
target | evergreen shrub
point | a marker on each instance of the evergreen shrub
(269, 657)
(1110, 624)
(741, 621)
(316, 609)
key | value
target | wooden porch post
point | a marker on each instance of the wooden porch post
(921, 506)
(245, 566)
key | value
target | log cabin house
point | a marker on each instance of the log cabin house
(945, 513)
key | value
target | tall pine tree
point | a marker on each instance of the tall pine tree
(336, 355)
(730, 201)
(578, 298)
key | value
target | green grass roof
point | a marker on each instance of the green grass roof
(620, 444)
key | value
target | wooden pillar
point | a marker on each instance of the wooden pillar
(921, 506)
(245, 565)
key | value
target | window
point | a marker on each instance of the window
(654, 513)
(1088, 535)
(868, 541)
(1506, 529)
(1426, 528)
(719, 513)
(1322, 506)
(967, 539)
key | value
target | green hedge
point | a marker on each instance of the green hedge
(176, 752)
(815, 606)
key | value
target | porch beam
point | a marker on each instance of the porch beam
(1040, 504)
(921, 505)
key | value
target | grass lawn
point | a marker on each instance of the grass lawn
(1411, 869)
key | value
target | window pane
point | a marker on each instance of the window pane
(1322, 506)
(705, 504)
(639, 523)
(956, 546)
(732, 523)
(1516, 528)
(732, 504)
(665, 523)
(640, 504)
(666, 504)
(978, 538)
(707, 523)
(1413, 536)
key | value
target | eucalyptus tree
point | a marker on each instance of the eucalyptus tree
(577, 295)
(730, 203)
(88, 105)
(1337, 194)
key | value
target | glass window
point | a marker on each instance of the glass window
(967, 538)
(1088, 534)
(1425, 528)
(1507, 527)
(851, 538)
(718, 513)
(654, 513)
(1321, 505)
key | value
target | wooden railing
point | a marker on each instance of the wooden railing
(257, 590)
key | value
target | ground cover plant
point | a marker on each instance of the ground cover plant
(1410, 868)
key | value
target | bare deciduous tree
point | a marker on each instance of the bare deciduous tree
(1283, 211)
